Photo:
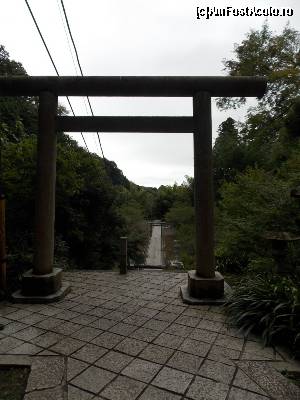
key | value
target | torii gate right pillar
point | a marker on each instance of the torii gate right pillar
(204, 284)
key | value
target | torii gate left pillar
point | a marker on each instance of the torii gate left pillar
(43, 283)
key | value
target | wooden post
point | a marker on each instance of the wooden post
(2, 244)
(123, 263)
(46, 177)
(203, 186)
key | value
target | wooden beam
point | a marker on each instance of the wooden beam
(147, 86)
(125, 124)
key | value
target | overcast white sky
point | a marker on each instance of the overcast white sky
(135, 37)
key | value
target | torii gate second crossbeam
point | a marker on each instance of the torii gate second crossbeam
(44, 282)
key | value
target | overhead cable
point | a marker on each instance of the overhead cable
(51, 59)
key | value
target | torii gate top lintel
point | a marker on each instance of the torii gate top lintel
(145, 86)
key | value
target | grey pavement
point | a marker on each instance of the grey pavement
(130, 337)
(154, 256)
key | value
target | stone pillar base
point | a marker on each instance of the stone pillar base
(41, 288)
(204, 290)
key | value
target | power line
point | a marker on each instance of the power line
(49, 54)
(79, 65)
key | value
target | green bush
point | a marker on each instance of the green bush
(268, 304)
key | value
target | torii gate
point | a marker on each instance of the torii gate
(44, 282)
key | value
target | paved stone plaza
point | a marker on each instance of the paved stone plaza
(130, 337)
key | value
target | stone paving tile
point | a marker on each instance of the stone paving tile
(229, 342)
(217, 371)
(173, 380)
(123, 329)
(103, 324)
(270, 380)
(66, 328)
(93, 379)
(77, 394)
(166, 316)
(239, 394)
(145, 334)
(49, 311)
(13, 327)
(141, 370)
(135, 319)
(98, 311)
(147, 312)
(131, 346)
(187, 320)
(4, 321)
(195, 347)
(222, 354)
(156, 305)
(28, 333)
(5, 310)
(175, 309)
(89, 353)
(123, 388)
(25, 348)
(84, 319)
(74, 367)
(47, 339)
(9, 343)
(47, 353)
(19, 314)
(231, 331)
(33, 319)
(154, 393)
(46, 372)
(185, 362)
(156, 353)
(114, 361)
(83, 308)
(244, 382)
(198, 312)
(67, 346)
(87, 333)
(179, 330)
(203, 335)
(67, 315)
(49, 323)
(56, 393)
(214, 326)
(166, 340)
(207, 389)
(117, 315)
(156, 324)
(108, 340)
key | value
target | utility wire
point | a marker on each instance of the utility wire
(79, 65)
(49, 54)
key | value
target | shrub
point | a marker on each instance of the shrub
(268, 304)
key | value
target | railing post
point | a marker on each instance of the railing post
(123, 263)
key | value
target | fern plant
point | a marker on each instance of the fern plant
(269, 305)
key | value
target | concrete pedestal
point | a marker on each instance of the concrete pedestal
(204, 290)
(45, 288)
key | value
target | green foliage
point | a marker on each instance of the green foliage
(275, 56)
(18, 115)
(256, 203)
(136, 229)
(268, 304)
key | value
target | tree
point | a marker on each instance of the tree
(229, 156)
(18, 115)
(275, 56)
